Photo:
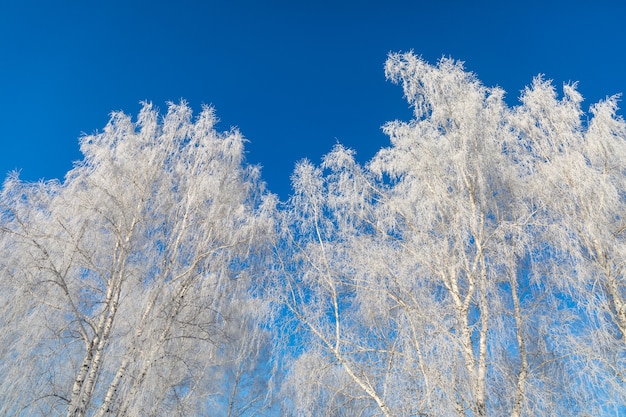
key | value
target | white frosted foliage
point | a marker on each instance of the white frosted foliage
(123, 287)
(474, 267)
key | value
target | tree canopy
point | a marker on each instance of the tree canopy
(474, 267)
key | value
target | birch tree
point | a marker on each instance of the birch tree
(431, 281)
(123, 285)
(580, 170)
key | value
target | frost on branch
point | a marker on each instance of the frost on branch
(127, 289)
(472, 268)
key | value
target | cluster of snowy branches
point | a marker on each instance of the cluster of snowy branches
(475, 267)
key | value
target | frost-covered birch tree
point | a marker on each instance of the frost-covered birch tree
(126, 289)
(579, 170)
(432, 281)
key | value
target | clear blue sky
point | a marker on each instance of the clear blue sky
(294, 77)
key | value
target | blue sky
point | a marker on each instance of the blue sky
(294, 77)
